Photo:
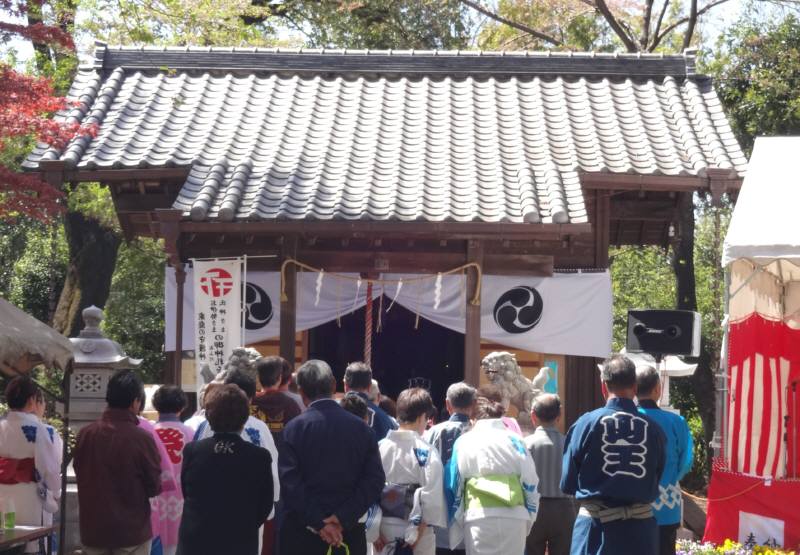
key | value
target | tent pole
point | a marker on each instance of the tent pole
(720, 440)
(62, 524)
(177, 363)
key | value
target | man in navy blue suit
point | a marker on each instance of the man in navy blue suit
(330, 470)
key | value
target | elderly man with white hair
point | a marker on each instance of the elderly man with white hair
(460, 400)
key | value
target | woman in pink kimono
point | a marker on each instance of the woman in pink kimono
(30, 458)
(169, 401)
(169, 484)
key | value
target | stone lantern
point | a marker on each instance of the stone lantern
(96, 359)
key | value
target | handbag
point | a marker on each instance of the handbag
(397, 500)
(343, 546)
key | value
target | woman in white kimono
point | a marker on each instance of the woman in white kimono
(413, 498)
(492, 481)
(30, 458)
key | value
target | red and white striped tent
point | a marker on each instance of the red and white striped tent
(755, 485)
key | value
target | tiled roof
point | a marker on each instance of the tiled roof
(435, 136)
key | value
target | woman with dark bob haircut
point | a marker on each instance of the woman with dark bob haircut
(224, 483)
(30, 457)
(174, 435)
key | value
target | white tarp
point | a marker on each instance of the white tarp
(764, 226)
(563, 314)
(24, 339)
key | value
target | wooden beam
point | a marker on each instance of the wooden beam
(131, 174)
(413, 262)
(169, 226)
(643, 210)
(472, 332)
(637, 182)
(288, 325)
(53, 173)
(142, 203)
(386, 229)
(508, 264)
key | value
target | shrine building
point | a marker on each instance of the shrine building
(457, 202)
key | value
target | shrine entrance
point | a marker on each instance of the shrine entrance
(402, 349)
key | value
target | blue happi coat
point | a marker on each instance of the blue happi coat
(679, 450)
(615, 456)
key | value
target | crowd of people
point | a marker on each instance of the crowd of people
(260, 469)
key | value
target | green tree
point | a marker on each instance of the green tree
(635, 26)
(640, 278)
(756, 67)
(380, 24)
(135, 309)
(568, 24)
(179, 22)
(377, 24)
(93, 237)
(39, 272)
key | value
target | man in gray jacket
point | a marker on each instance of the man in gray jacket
(552, 531)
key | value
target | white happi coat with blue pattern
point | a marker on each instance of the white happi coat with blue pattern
(407, 459)
(490, 449)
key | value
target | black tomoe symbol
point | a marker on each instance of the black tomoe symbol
(519, 309)
(258, 307)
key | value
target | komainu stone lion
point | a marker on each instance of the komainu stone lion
(503, 371)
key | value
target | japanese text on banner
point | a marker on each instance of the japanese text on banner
(217, 315)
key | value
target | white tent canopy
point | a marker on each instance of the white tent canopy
(762, 246)
(26, 342)
(764, 227)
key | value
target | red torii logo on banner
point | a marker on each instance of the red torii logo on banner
(216, 282)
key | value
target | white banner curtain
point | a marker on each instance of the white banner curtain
(567, 313)
(217, 316)
(337, 296)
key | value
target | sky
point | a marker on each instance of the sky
(718, 20)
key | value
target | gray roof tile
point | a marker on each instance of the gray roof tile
(276, 134)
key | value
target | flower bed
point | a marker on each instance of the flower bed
(686, 547)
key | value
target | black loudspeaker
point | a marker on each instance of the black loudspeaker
(664, 332)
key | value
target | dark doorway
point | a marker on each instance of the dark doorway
(399, 351)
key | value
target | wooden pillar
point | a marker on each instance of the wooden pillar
(472, 332)
(176, 376)
(602, 227)
(289, 306)
(582, 391)
(169, 228)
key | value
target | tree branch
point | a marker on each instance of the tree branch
(629, 43)
(683, 20)
(648, 13)
(659, 22)
(515, 24)
(687, 36)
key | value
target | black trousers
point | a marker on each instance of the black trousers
(552, 531)
(667, 536)
(296, 539)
